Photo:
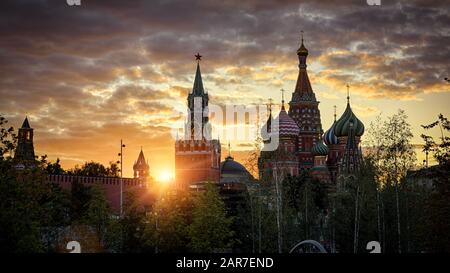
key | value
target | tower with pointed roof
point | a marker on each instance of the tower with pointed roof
(197, 126)
(197, 156)
(24, 154)
(304, 109)
(141, 167)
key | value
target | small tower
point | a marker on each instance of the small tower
(24, 155)
(141, 167)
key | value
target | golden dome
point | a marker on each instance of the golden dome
(302, 50)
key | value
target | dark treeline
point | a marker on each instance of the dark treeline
(390, 200)
(405, 208)
(37, 216)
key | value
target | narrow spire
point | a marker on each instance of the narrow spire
(269, 106)
(319, 132)
(302, 49)
(334, 113)
(348, 93)
(303, 90)
(282, 98)
(229, 149)
(198, 83)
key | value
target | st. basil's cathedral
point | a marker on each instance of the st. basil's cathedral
(302, 144)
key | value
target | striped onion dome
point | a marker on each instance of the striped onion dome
(329, 137)
(347, 120)
(320, 148)
(285, 125)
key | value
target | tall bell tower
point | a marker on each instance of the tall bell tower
(304, 109)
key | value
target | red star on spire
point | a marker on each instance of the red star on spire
(198, 57)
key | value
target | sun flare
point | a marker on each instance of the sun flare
(165, 176)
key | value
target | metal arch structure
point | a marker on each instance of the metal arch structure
(309, 242)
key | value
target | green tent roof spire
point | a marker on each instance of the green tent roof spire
(198, 83)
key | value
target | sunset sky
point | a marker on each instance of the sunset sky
(89, 75)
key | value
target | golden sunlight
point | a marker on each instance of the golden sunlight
(165, 176)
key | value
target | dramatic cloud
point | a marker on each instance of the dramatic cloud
(90, 75)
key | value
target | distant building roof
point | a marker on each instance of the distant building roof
(229, 166)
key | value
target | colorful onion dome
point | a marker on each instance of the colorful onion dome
(347, 120)
(284, 125)
(320, 149)
(329, 137)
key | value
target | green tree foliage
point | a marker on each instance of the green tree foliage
(264, 223)
(414, 202)
(21, 210)
(305, 201)
(8, 139)
(244, 234)
(33, 211)
(95, 169)
(52, 168)
(134, 235)
(438, 205)
(169, 222)
(390, 150)
(441, 151)
(210, 230)
(382, 202)
(98, 213)
(438, 210)
(354, 211)
(80, 197)
(29, 206)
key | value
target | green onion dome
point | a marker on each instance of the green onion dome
(329, 137)
(320, 148)
(347, 120)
